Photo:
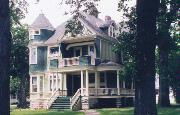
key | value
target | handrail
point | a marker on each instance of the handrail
(54, 96)
(75, 97)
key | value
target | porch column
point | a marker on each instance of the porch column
(56, 81)
(118, 82)
(65, 86)
(82, 83)
(60, 84)
(52, 78)
(87, 83)
(124, 85)
(96, 80)
(105, 79)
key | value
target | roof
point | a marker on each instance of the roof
(90, 22)
(41, 22)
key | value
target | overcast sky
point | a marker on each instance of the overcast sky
(55, 12)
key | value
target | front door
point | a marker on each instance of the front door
(73, 84)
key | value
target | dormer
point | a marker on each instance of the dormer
(41, 29)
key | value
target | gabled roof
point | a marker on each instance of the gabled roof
(92, 23)
(41, 22)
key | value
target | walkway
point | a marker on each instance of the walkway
(91, 112)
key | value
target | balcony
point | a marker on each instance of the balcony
(75, 61)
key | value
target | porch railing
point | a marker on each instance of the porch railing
(54, 96)
(110, 91)
(75, 98)
(65, 62)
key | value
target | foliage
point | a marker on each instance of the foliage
(18, 8)
(74, 27)
(14, 85)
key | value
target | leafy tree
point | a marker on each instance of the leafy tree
(19, 61)
(5, 44)
(19, 52)
(167, 16)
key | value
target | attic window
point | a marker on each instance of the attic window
(34, 32)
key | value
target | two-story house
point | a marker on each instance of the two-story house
(78, 72)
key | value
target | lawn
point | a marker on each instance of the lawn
(174, 110)
(44, 112)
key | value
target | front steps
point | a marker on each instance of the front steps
(61, 103)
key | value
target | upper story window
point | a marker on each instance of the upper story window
(32, 33)
(54, 51)
(77, 51)
(33, 55)
(111, 31)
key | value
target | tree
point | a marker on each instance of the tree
(19, 52)
(5, 44)
(20, 61)
(145, 103)
(167, 15)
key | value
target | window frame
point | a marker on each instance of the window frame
(34, 84)
(30, 55)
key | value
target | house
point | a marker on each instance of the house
(78, 72)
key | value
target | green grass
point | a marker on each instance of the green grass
(174, 110)
(43, 112)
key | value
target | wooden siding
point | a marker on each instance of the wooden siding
(41, 60)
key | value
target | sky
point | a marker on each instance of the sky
(55, 12)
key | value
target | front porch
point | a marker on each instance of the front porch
(81, 86)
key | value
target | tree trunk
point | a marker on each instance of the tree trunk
(145, 103)
(5, 38)
(163, 79)
(22, 93)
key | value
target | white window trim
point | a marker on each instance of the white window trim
(30, 53)
(32, 33)
(34, 84)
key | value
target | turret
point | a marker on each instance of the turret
(41, 29)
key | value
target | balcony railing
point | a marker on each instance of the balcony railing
(74, 61)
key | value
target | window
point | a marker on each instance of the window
(33, 32)
(112, 31)
(54, 50)
(34, 84)
(33, 56)
(91, 78)
(77, 52)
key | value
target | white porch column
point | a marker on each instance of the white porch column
(52, 85)
(87, 83)
(82, 83)
(60, 84)
(118, 82)
(56, 81)
(64, 82)
(132, 84)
